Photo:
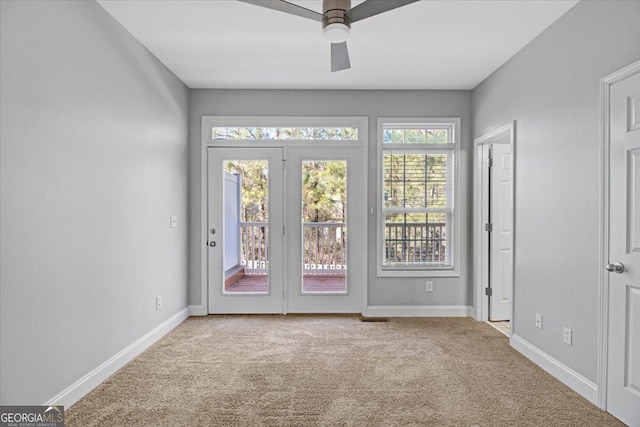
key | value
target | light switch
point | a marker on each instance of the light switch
(174, 221)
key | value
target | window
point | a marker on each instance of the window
(416, 196)
(263, 131)
(285, 133)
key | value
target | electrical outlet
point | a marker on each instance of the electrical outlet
(158, 302)
(566, 336)
(173, 221)
(538, 320)
(428, 286)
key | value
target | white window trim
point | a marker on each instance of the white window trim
(430, 271)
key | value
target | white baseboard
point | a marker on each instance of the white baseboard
(84, 385)
(566, 375)
(418, 311)
(198, 310)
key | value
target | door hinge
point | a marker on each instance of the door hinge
(283, 230)
(488, 162)
(284, 161)
(488, 292)
(488, 227)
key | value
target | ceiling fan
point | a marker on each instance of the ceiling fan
(336, 17)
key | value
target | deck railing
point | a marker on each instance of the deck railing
(253, 242)
(413, 242)
(325, 246)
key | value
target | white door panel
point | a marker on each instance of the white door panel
(313, 246)
(633, 240)
(501, 208)
(623, 385)
(255, 284)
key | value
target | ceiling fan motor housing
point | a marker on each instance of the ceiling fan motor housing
(336, 25)
(335, 12)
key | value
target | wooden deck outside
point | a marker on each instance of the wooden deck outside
(311, 283)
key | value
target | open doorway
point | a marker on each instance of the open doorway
(494, 227)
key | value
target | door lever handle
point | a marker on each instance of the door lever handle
(617, 267)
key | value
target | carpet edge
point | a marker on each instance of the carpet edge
(572, 379)
(88, 382)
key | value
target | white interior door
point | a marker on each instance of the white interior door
(245, 230)
(623, 384)
(325, 226)
(501, 236)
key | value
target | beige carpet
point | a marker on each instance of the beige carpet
(333, 371)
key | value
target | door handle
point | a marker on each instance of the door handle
(617, 267)
(212, 244)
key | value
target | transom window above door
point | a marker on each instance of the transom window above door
(282, 131)
(285, 133)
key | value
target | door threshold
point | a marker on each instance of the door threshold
(500, 327)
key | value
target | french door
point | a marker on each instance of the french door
(326, 224)
(285, 230)
(246, 241)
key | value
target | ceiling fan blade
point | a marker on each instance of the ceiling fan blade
(285, 6)
(339, 57)
(371, 8)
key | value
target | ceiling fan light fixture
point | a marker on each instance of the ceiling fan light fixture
(336, 18)
(336, 32)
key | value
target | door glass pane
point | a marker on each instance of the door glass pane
(246, 222)
(324, 227)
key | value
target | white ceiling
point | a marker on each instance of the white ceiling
(431, 44)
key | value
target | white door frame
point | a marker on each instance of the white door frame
(207, 124)
(479, 235)
(603, 323)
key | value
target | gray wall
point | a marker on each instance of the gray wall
(374, 104)
(551, 88)
(93, 163)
